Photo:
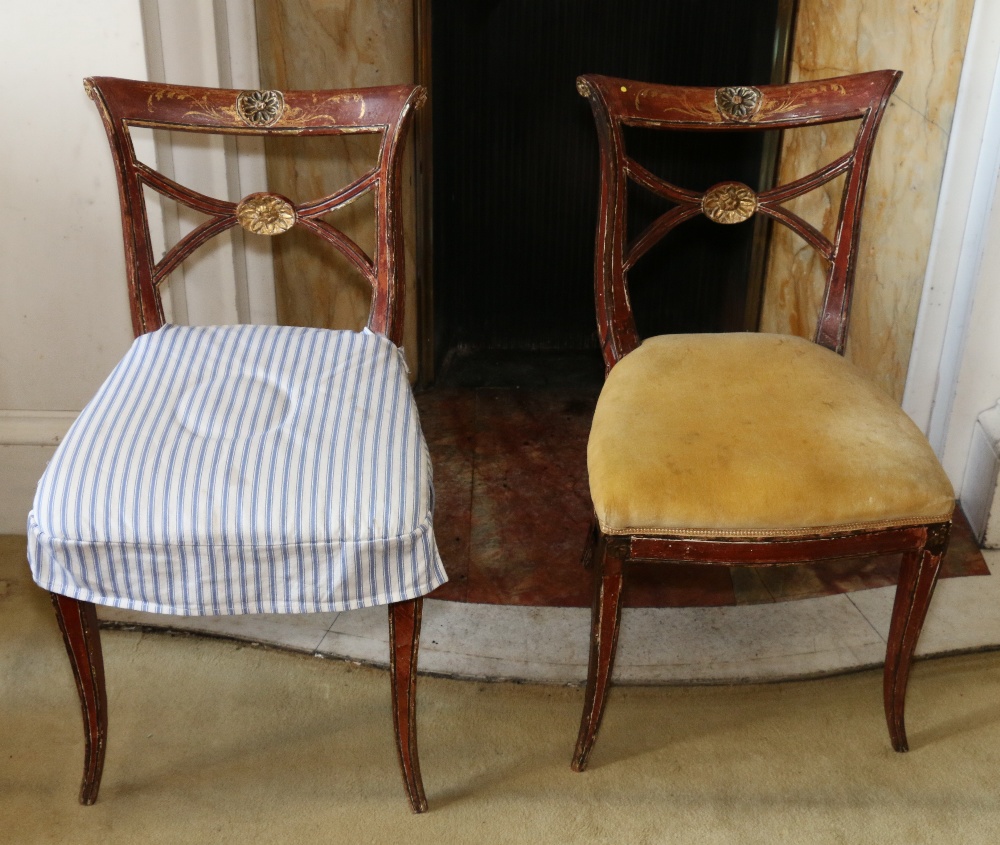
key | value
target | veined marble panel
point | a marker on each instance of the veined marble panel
(334, 44)
(340, 43)
(926, 40)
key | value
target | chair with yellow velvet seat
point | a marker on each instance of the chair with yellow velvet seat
(748, 448)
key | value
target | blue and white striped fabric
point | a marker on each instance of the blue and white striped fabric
(242, 469)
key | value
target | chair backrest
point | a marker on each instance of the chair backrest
(620, 102)
(385, 110)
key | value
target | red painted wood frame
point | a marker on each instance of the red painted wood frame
(385, 111)
(620, 102)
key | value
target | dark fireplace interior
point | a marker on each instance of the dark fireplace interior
(515, 180)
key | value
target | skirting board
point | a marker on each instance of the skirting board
(20, 469)
(980, 494)
(28, 439)
(34, 428)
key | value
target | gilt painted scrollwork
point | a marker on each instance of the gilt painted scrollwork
(729, 202)
(265, 214)
(738, 103)
(260, 108)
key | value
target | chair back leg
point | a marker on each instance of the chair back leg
(605, 623)
(917, 576)
(590, 547)
(404, 637)
(78, 623)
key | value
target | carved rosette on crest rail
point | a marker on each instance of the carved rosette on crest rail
(265, 214)
(729, 202)
(260, 108)
(738, 103)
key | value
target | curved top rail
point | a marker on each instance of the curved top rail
(253, 112)
(743, 107)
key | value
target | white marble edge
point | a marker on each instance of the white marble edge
(758, 643)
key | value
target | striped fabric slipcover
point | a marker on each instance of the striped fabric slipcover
(242, 469)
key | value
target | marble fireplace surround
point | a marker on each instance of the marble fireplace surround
(330, 43)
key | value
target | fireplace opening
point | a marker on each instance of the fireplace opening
(513, 176)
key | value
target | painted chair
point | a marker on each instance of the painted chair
(246, 469)
(748, 448)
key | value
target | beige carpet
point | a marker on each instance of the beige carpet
(216, 742)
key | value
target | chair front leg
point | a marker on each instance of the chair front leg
(404, 637)
(605, 623)
(78, 623)
(917, 577)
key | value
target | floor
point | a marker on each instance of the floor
(512, 513)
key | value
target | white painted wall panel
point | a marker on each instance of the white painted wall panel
(63, 309)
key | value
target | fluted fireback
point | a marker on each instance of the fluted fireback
(515, 175)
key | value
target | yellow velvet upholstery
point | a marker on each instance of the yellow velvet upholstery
(744, 435)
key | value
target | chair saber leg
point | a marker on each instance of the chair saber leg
(605, 624)
(404, 637)
(917, 578)
(78, 623)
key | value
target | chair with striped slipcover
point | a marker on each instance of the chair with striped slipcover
(246, 469)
